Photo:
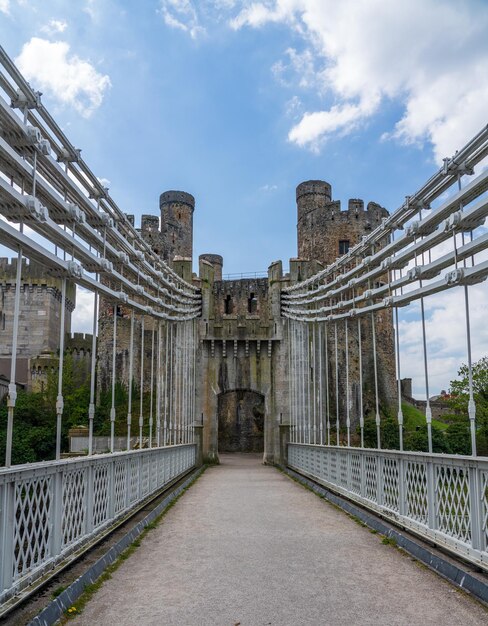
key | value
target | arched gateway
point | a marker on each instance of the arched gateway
(241, 421)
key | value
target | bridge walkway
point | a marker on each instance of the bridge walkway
(245, 545)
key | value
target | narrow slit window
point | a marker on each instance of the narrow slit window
(228, 305)
(252, 304)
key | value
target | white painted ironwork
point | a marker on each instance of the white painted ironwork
(79, 234)
(368, 281)
(51, 509)
(442, 498)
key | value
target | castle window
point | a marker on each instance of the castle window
(3, 321)
(343, 246)
(252, 304)
(228, 307)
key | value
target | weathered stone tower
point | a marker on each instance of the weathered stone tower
(176, 224)
(325, 232)
(40, 315)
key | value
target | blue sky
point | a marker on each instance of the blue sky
(237, 102)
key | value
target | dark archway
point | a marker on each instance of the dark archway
(241, 421)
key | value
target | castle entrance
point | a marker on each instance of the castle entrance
(241, 421)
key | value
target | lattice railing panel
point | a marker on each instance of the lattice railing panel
(343, 469)
(32, 528)
(74, 505)
(145, 466)
(50, 509)
(333, 466)
(416, 491)
(484, 508)
(120, 486)
(391, 487)
(370, 485)
(453, 502)
(356, 474)
(443, 498)
(100, 495)
(133, 480)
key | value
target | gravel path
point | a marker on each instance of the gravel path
(246, 545)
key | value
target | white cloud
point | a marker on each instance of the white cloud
(82, 317)
(5, 7)
(268, 188)
(446, 337)
(428, 55)
(54, 26)
(69, 79)
(181, 14)
(104, 182)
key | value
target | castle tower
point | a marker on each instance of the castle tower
(216, 261)
(177, 224)
(324, 231)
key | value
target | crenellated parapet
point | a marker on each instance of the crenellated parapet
(325, 231)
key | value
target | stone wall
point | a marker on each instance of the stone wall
(40, 309)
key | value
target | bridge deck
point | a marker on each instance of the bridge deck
(246, 545)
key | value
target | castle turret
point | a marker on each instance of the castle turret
(216, 261)
(324, 231)
(177, 224)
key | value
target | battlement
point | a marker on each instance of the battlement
(316, 188)
(76, 342)
(373, 212)
(8, 268)
(177, 197)
(150, 223)
(325, 231)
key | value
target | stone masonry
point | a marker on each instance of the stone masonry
(242, 353)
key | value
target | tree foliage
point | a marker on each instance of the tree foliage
(459, 430)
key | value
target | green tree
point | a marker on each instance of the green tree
(459, 390)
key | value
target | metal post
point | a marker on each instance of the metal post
(158, 390)
(59, 399)
(399, 384)
(337, 385)
(141, 386)
(112, 408)
(361, 408)
(321, 404)
(166, 432)
(131, 371)
(314, 386)
(12, 388)
(375, 364)
(290, 394)
(327, 397)
(471, 402)
(428, 412)
(151, 391)
(348, 416)
(91, 406)
(308, 388)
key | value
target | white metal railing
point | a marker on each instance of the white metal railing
(443, 498)
(51, 509)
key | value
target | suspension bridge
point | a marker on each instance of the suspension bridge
(301, 366)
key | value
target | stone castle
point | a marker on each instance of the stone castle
(242, 359)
